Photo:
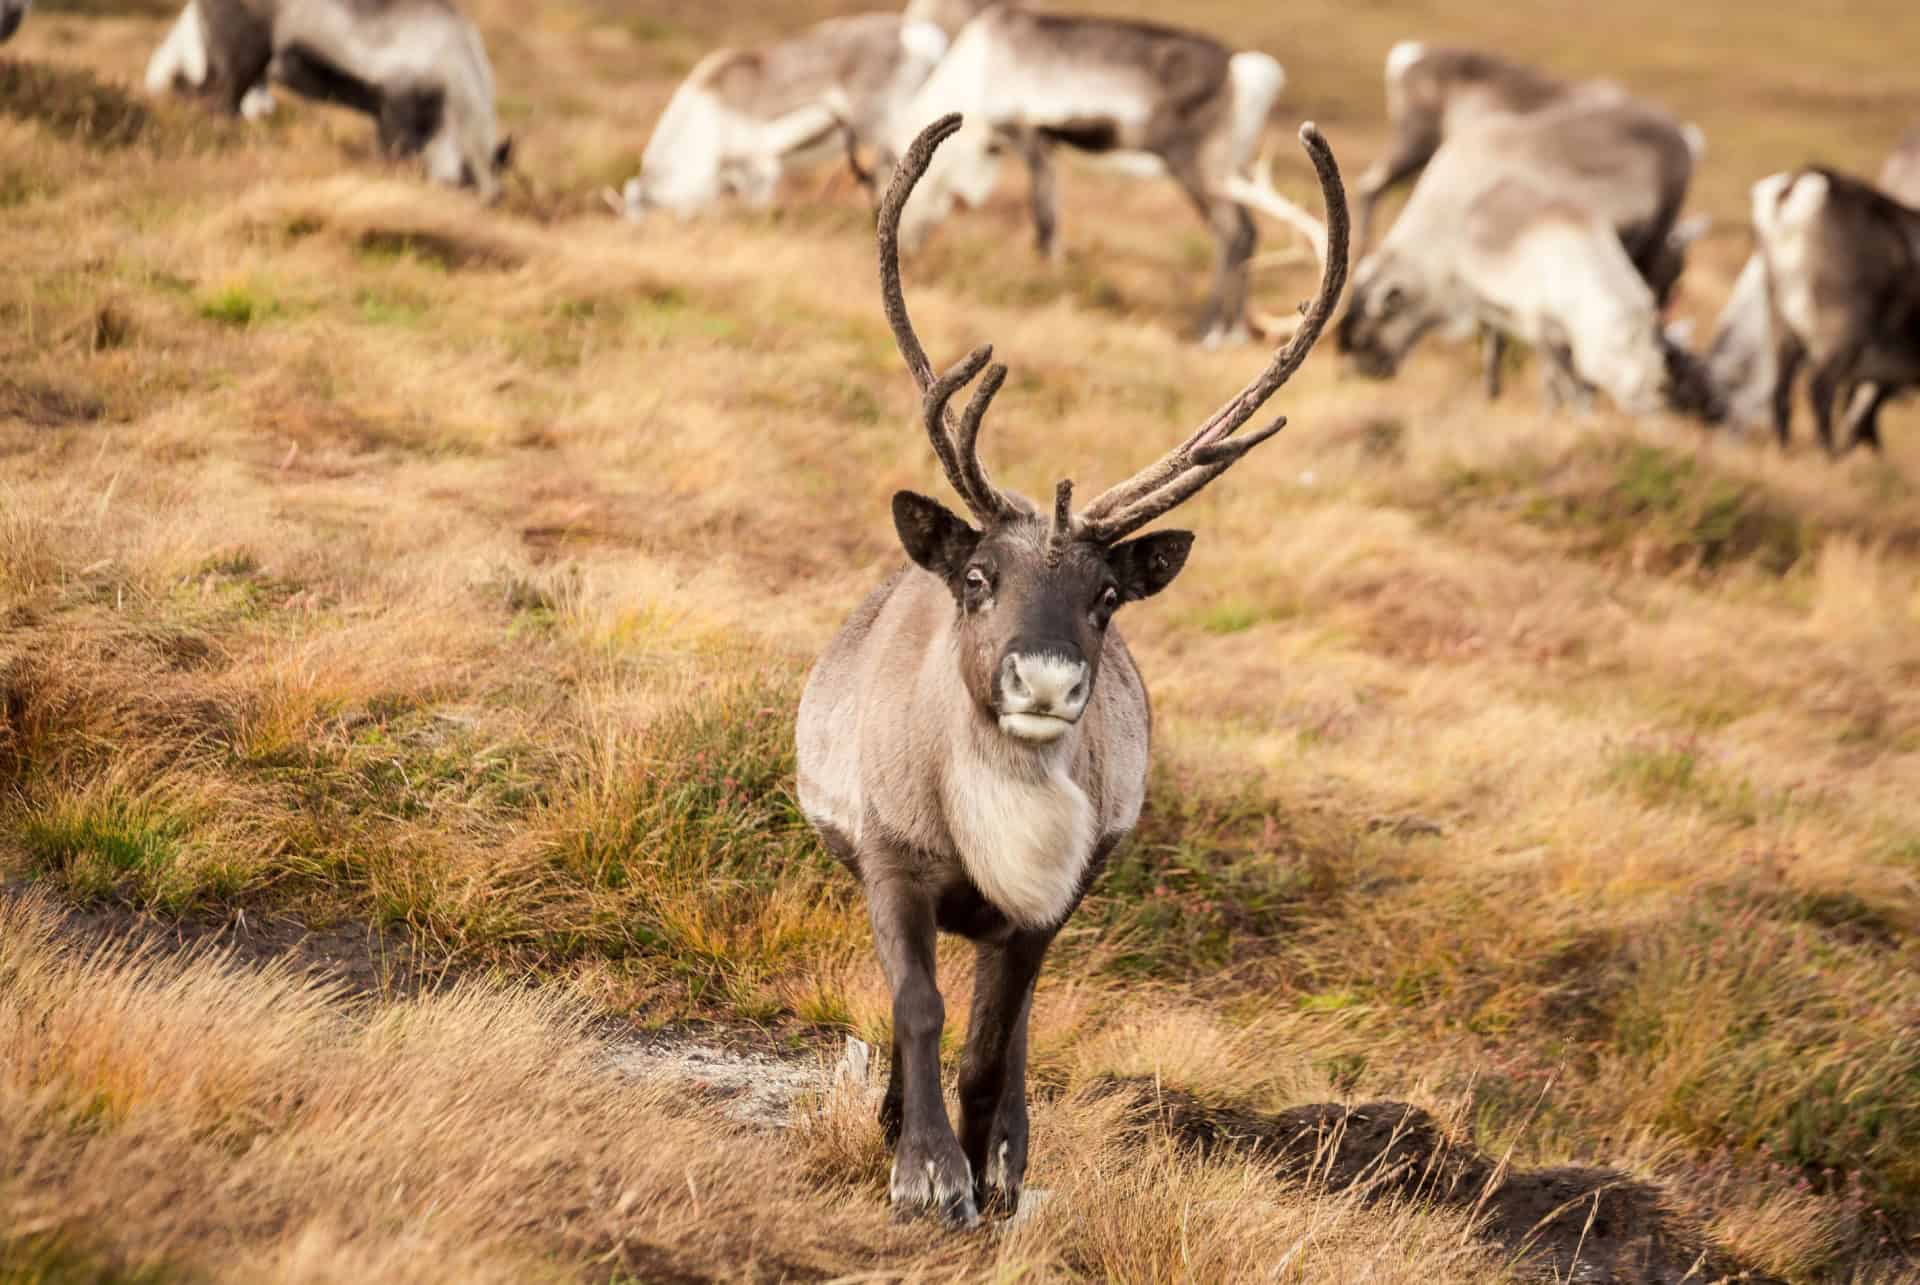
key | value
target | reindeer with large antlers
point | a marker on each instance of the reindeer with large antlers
(973, 743)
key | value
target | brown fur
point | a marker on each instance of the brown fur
(1844, 287)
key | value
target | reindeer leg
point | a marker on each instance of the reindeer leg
(1495, 353)
(993, 1068)
(1234, 236)
(1790, 354)
(861, 174)
(929, 1169)
(1045, 192)
(1862, 422)
(1823, 390)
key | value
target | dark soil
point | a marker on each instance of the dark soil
(363, 959)
(1580, 1224)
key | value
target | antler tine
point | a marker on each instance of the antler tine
(1181, 472)
(952, 454)
(1061, 534)
(969, 440)
(955, 445)
(1209, 462)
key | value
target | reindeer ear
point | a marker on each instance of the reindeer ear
(933, 536)
(1146, 566)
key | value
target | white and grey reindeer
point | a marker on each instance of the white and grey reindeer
(1842, 269)
(1541, 227)
(418, 67)
(11, 14)
(1433, 93)
(973, 744)
(1164, 100)
(742, 117)
(1742, 356)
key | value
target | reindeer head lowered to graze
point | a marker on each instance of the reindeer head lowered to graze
(973, 743)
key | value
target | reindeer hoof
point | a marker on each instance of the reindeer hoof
(933, 1179)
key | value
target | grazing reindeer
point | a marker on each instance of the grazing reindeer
(1182, 103)
(1472, 246)
(1842, 264)
(416, 66)
(11, 12)
(1437, 94)
(1433, 94)
(1741, 355)
(743, 115)
(973, 743)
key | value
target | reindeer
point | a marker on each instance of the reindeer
(1434, 93)
(743, 116)
(1597, 162)
(1842, 265)
(1741, 357)
(1164, 100)
(973, 743)
(416, 66)
(11, 13)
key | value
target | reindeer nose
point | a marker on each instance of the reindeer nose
(1043, 682)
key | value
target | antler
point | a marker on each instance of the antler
(957, 445)
(1212, 449)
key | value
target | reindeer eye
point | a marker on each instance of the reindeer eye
(1109, 601)
(1391, 301)
(977, 581)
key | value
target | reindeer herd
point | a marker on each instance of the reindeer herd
(974, 742)
(1543, 211)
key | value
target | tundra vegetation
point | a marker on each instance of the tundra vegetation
(423, 591)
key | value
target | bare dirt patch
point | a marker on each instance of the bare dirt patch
(363, 959)
(1585, 1224)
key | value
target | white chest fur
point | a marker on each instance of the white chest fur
(1024, 839)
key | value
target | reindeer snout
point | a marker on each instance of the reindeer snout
(1046, 683)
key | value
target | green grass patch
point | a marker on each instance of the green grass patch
(239, 305)
(104, 843)
(1211, 876)
(1680, 775)
(1668, 510)
(405, 309)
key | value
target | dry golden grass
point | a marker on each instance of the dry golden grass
(366, 558)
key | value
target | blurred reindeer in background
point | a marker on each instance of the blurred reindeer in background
(1842, 271)
(1559, 228)
(1743, 358)
(417, 67)
(1168, 101)
(742, 117)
